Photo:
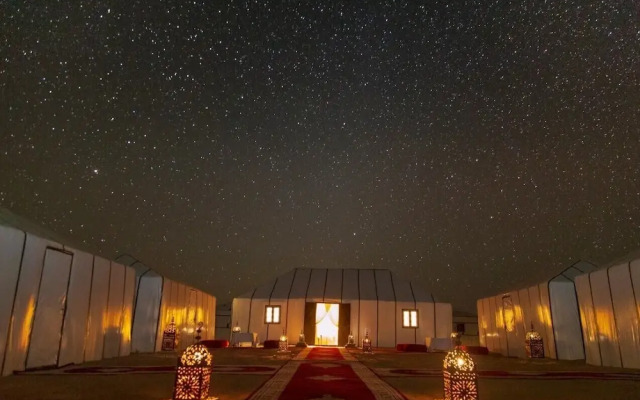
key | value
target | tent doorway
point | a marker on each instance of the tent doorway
(342, 317)
(327, 322)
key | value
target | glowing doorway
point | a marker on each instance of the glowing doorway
(327, 318)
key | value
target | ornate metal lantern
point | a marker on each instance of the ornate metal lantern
(301, 340)
(169, 337)
(351, 340)
(534, 344)
(460, 378)
(283, 343)
(194, 373)
(366, 344)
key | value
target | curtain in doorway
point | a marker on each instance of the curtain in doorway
(326, 311)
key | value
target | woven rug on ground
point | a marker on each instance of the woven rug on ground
(325, 353)
(538, 375)
(154, 369)
(326, 380)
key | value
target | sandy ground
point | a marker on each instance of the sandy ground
(53, 385)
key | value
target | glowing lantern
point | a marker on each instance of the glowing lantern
(283, 343)
(533, 344)
(169, 337)
(234, 332)
(194, 373)
(351, 340)
(460, 379)
(301, 340)
(366, 344)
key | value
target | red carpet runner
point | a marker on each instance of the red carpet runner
(325, 353)
(324, 373)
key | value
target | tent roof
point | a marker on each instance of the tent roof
(578, 268)
(12, 220)
(340, 284)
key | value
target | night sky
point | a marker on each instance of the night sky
(470, 146)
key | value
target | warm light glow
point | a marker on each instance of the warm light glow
(460, 379)
(25, 330)
(409, 318)
(272, 315)
(327, 318)
(459, 360)
(196, 355)
(193, 376)
(533, 335)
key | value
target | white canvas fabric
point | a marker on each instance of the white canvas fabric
(551, 307)
(376, 300)
(610, 314)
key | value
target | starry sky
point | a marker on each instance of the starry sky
(470, 146)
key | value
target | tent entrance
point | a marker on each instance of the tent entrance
(327, 322)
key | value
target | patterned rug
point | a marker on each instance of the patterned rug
(326, 380)
(156, 369)
(324, 373)
(325, 353)
(545, 375)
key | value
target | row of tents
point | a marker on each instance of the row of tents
(582, 313)
(60, 305)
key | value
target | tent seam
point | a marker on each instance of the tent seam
(13, 304)
(615, 322)
(66, 305)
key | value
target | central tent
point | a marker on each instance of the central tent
(327, 305)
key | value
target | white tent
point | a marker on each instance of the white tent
(609, 302)
(551, 307)
(58, 305)
(328, 304)
(158, 300)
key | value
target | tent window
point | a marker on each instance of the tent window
(409, 318)
(272, 315)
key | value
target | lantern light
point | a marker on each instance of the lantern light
(460, 378)
(534, 344)
(366, 344)
(193, 377)
(169, 337)
(301, 340)
(351, 341)
(234, 335)
(283, 343)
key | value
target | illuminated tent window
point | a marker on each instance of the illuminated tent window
(272, 315)
(409, 318)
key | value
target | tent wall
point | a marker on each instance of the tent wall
(368, 306)
(373, 296)
(351, 295)
(550, 307)
(147, 312)
(566, 320)
(53, 303)
(112, 329)
(12, 244)
(182, 304)
(482, 323)
(44, 340)
(24, 303)
(386, 309)
(405, 301)
(97, 309)
(588, 320)
(75, 320)
(127, 311)
(610, 315)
